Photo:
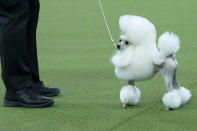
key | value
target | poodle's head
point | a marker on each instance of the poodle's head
(124, 42)
(135, 31)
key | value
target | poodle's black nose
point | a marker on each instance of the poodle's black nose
(118, 46)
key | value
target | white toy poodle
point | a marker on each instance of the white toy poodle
(138, 59)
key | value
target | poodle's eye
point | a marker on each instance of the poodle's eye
(120, 40)
(126, 42)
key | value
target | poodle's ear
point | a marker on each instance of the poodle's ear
(124, 21)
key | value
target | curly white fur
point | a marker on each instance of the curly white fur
(129, 95)
(138, 29)
(129, 63)
(176, 98)
(168, 43)
(185, 94)
(138, 59)
(172, 99)
(122, 59)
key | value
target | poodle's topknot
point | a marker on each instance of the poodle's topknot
(137, 29)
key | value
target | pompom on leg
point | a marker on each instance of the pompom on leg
(172, 100)
(129, 95)
(185, 94)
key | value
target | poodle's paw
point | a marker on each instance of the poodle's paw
(124, 105)
(185, 94)
(172, 100)
(129, 95)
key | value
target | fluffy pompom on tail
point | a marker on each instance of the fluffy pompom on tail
(168, 43)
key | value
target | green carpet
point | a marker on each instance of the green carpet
(74, 54)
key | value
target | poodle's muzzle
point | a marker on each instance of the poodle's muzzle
(118, 47)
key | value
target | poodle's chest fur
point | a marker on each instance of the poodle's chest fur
(140, 67)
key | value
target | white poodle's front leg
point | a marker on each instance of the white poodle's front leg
(130, 94)
(124, 105)
(131, 82)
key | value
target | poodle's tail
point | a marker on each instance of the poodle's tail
(168, 44)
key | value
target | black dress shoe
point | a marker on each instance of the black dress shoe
(26, 98)
(41, 89)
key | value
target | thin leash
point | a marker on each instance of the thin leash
(106, 23)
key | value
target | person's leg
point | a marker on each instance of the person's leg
(34, 6)
(16, 73)
(14, 60)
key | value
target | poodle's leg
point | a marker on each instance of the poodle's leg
(183, 92)
(124, 105)
(130, 94)
(175, 80)
(180, 95)
(171, 100)
(131, 82)
(167, 72)
(168, 76)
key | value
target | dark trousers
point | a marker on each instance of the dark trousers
(18, 52)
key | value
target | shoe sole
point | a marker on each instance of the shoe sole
(52, 94)
(19, 104)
